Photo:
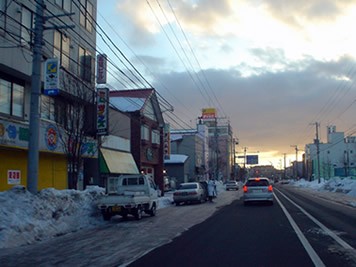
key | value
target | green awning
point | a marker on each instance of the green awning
(113, 161)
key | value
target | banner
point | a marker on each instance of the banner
(102, 121)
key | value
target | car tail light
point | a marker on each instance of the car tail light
(245, 188)
(270, 189)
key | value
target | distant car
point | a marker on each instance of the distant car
(258, 189)
(232, 185)
(188, 193)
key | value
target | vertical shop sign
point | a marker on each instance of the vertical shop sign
(101, 69)
(102, 111)
(13, 177)
(167, 141)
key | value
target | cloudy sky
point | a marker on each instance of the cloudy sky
(272, 68)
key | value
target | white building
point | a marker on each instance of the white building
(336, 156)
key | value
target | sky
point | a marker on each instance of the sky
(271, 68)
(50, 213)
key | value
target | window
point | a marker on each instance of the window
(27, 26)
(85, 64)
(155, 137)
(11, 98)
(61, 44)
(145, 133)
(47, 108)
(64, 4)
(86, 15)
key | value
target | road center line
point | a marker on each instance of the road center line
(311, 252)
(322, 226)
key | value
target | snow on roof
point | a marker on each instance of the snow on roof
(176, 158)
(176, 137)
(127, 104)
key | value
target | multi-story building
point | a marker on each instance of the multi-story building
(194, 144)
(221, 145)
(147, 129)
(67, 114)
(336, 156)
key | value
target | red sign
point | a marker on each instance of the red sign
(13, 177)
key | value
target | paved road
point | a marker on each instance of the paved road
(223, 233)
(116, 243)
(262, 235)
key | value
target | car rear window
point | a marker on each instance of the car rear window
(257, 183)
(188, 186)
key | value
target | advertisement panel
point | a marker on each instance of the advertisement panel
(102, 121)
(101, 64)
(51, 77)
(208, 113)
(167, 141)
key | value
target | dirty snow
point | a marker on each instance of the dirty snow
(26, 218)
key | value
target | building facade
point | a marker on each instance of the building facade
(336, 156)
(147, 129)
(74, 51)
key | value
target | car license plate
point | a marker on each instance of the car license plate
(116, 209)
(257, 191)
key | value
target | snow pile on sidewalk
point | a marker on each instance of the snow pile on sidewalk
(339, 185)
(26, 218)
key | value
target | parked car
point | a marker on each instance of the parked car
(258, 189)
(189, 192)
(232, 185)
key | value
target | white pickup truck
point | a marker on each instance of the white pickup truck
(129, 194)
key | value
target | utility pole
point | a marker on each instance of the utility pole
(34, 123)
(317, 142)
(284, 172)
(295, 170)
(33, 144)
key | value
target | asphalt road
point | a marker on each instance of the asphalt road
(223, 233)
(262, 235)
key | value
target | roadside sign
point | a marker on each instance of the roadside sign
(51, 77)
(252, 159)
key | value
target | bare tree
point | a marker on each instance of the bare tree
(75, 116)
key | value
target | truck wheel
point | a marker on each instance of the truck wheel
(106, 216)
(153, 210)
(138, 214)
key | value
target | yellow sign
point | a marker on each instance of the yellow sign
(208, 113)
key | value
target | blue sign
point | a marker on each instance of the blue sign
(51, 91)
(252, 159)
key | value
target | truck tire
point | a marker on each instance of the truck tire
(138, 214)
(106, 216)
(153, 210)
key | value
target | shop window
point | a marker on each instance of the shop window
(61, 46)
(11, 98)
(86, 15)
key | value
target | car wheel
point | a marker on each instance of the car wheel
(138, 214)
(153, 210)
(177, 203)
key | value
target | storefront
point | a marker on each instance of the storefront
(52, 169)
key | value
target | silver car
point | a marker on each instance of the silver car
(258, 189)
(189, 192)
(232, 185)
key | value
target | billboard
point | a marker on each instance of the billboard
(208, 113)
(102, 111)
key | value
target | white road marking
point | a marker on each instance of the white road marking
(311, 252)
(322, 226)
